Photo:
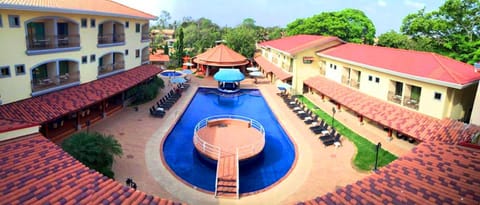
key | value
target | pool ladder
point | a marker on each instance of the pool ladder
(227, 178)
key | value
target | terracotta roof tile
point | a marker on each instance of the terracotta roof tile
(159, 57)
(221, 55)
(95, 7)
(36, 171)
(415, 63)
(406, 121)
(297, 43)
(36, 110)
(269, 67)
(432, 173)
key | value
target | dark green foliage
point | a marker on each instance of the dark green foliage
(452, 30)
(165, 49)
(351, 25)
(94, 150)
(145, 92)
(366, 150)
(179, 52)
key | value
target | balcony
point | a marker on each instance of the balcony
(145, 37)
(48, 84)
(110, 69)
(392, 97)
(345, 81)
(53, 42)
(105, 40)
(354, 84)
(410, 102)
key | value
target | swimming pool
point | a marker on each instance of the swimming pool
(171, 73)
(270, 166)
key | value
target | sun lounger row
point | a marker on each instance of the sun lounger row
(317, 127)
(165, 103)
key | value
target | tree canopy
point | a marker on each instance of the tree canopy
(351, 25)
(94, 150)
(242, 39)
(452, 30)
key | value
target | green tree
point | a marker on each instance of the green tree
(242, 39)
(275, 33)
(165, 49)
(163, 19)
(452, 30)
(200, 35)
(351, 25)
(94, 150)
(393, 39)
(179, 53)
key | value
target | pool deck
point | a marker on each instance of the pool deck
(317, 170)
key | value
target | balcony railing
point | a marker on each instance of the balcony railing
(107, 68)
(53, 42)
(345, 81)
(145, 36)
(111, 38)
(354, 84)
(410, 102)
(394, 98)
(39, 84)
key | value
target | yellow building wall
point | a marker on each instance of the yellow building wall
(19, 132)
(13, 40)
(475, 117)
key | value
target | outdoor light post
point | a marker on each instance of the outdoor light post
(376, 157)
(333, 116)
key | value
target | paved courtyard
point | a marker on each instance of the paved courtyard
(317, 170)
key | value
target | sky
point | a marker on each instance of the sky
(386, 15)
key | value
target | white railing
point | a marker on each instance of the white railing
(216, 176)
(238, 174)
(245, 150)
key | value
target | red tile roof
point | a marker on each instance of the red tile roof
(159, 57)
(220, 55)
(40, 109)
(433, 173)
(36, 171)
(269, 67)
(414, 63)
(406, 121)
(93, 7)
(294, 44)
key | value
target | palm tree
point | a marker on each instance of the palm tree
(94, 150)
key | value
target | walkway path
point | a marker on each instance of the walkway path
(317, 170)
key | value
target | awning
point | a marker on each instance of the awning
(229, 75)
(37, 110)
(269, 67)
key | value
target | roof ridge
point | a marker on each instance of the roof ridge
(435, 56)
(118, 3)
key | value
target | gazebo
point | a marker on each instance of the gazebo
(218, 57)
(229, 79)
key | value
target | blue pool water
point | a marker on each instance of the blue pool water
(270, 166)
(171, 73)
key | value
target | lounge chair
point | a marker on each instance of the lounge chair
(311, 120)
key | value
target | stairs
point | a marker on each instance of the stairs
(227, 177)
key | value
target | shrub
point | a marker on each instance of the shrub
(94, 150)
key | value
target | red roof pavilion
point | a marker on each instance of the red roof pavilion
(220, 56)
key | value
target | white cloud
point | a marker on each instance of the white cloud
(382, 3)
(414, 4)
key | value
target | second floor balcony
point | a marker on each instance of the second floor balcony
(392, 97)
(111, 33)
(411, 102)
(51, 34)
(54, 76)
(111, 39)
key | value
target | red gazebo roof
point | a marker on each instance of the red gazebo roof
(221, 55)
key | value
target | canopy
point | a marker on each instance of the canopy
(253, 69)
(176, 80)
(256, 74)
(188, 72)
(283, 86)
(229, 75)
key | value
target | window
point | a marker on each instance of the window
(20, 69)
(127, 24)
(4, 71)
(137, 28)
(92, 58)
(14, 20)
(377, 79)
(370, 78)
(137, 53)
(437, 96)
(92, 23)
(84, 59)
(126, 52)
(398, 88)
(84, 23)
(1, 22)
(415, 93)
(307, 60)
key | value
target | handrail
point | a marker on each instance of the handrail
(238, 174)
(243, 150)
(216, 177)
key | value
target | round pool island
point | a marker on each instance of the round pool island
(171, 74)
(229, 134)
